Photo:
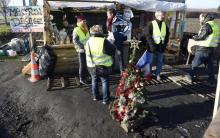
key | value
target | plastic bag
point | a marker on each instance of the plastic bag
(17, 45)
(47, 61)
(111, 37)
(145, 59)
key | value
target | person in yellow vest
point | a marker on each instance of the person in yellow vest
(99, 52)
(80, 36)
(207, 40)
(157, 39)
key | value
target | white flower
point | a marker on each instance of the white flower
(131, 95)
(142, 84)
(122, 100)
(121, 109)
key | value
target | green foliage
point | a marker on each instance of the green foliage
(219, 8)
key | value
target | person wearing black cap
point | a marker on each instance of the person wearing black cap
(80, 36)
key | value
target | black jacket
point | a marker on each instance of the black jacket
(204, 32)
(151, 45)
(119, 39)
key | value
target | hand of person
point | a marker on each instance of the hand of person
(81, 51)
(194, 37)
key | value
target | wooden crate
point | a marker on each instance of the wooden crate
(170, 58)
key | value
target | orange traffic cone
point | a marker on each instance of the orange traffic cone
(35, 75)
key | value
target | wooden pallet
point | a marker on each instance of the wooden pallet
(198, 87)
(71, 82)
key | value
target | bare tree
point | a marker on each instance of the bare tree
(3, 6)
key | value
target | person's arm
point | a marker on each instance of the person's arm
(76, 41)
(149, 37)
(167, 36)
(205, 31)
(109, 48)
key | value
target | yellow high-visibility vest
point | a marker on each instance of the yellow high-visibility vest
(96, 45)
(159, 35)
(213, 39)
(82, 36)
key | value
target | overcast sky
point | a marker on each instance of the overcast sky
(20, 2)
(203, 3)
(190, 3)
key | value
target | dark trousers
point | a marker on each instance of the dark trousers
(120, 57)
(82, 66)
(120, 54)
(203, 57)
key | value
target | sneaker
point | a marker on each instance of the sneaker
(188, 78)
(95, 99)
(83, 82)
(158, 78)
(105, 102)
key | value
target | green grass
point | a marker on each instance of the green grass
(4, 28)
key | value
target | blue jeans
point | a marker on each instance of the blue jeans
(82, 66)
(105, 86)
(158, 57)
(203, 57)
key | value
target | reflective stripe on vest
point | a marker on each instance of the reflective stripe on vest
(213, 39)
(96, 46)
(82, 36)
(159, 35)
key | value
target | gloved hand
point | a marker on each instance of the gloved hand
(194, 37)
(81, 51)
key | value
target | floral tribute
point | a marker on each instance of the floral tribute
(130, 106)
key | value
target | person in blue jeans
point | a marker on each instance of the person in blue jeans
(99, 52)
(203, 57)
(157, 39)
(207, 39)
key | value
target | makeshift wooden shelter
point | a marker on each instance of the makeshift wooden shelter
(95, 11)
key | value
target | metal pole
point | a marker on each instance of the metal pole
(24, 2)
(217, 95)
(30, 34)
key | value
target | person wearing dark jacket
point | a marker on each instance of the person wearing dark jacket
(157, 39)
(207, 40)
(99, 52)
(119, 39)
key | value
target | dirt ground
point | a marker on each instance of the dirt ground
(28, 110)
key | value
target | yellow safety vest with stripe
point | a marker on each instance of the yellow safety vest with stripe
(82, 36)
(213, 39)
(159, 35)
(96, 45)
